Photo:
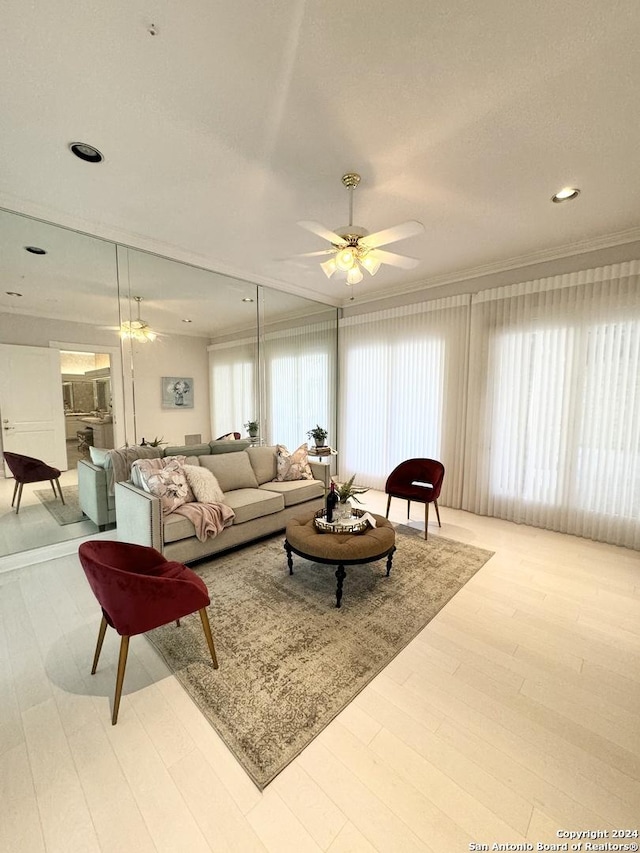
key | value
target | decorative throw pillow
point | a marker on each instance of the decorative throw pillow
(229, 437)
(142, 468)
(295, 465)
(166, 481)
(98, 456)
(205, 487)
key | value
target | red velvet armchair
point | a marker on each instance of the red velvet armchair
(26, 469)
(416, 480)
(138, 590)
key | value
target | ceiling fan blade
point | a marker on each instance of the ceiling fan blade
(313, 254)
(393, 260)
(321, 231)
(391, 235)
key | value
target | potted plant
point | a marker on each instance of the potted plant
(157, 442)
(346, 492)
(252, 428)
(319, 435)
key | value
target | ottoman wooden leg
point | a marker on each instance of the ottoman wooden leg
(390, 560)
(340, 575)
(287, 548)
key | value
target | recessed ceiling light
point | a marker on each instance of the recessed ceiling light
(187, 321)
(12, 293)
(86, 152)
(565, 194)
(247, 299)
(35, 250)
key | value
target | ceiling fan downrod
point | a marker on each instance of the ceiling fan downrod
(351, 181)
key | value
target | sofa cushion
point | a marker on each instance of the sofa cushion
(232, 470)
(186, 450)
(226, 446)
(293, 465)
(263, 462)
(177, 527)
(204, 485)
(296, 491)
(253, 503)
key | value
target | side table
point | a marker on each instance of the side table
(323, 456)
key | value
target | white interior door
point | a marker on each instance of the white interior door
(31, 404)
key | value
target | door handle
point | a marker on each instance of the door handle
(8, 427)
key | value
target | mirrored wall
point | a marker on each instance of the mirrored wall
(245, 352)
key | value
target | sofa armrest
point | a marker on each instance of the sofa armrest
(321, 471)
(138, 516)
(92, 492)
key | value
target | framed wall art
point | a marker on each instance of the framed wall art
(177, 392)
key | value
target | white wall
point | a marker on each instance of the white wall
(171, 355)
(39, 331)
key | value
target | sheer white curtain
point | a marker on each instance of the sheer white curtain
(403, 378)
(232, 382)
(553, 427)
(300, 371)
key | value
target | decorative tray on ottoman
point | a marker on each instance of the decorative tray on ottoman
(354, 523)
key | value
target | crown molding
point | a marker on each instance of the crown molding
(606, 241)
(132, 240)
(170, 251)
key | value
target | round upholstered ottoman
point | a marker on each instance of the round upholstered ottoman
(340, 549)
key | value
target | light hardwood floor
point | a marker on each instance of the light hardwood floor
(512, 716)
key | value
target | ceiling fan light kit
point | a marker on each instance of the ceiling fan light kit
(354, 249)
(137, 330)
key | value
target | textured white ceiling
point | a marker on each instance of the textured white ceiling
(238, 119)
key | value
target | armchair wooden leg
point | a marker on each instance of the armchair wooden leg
(122, 663)
(435, 503)
(59, 490)
(408, 510)
(426, 518)
(15, 489)
(388, 507)
(207, 632)
(53, 486)
(101, 633)
(19, 498)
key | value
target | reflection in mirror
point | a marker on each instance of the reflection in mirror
(247, 353)
(251, 353)
(59, 348)
(187, 308)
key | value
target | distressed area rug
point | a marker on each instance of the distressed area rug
(289, 659)
(68, 512)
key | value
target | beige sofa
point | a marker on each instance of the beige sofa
(95, 479)
(261, 504)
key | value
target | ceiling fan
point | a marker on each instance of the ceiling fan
(354, 249)
(138, 330)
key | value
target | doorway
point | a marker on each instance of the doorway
(88, 403)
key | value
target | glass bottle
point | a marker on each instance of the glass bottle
(332, 502)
